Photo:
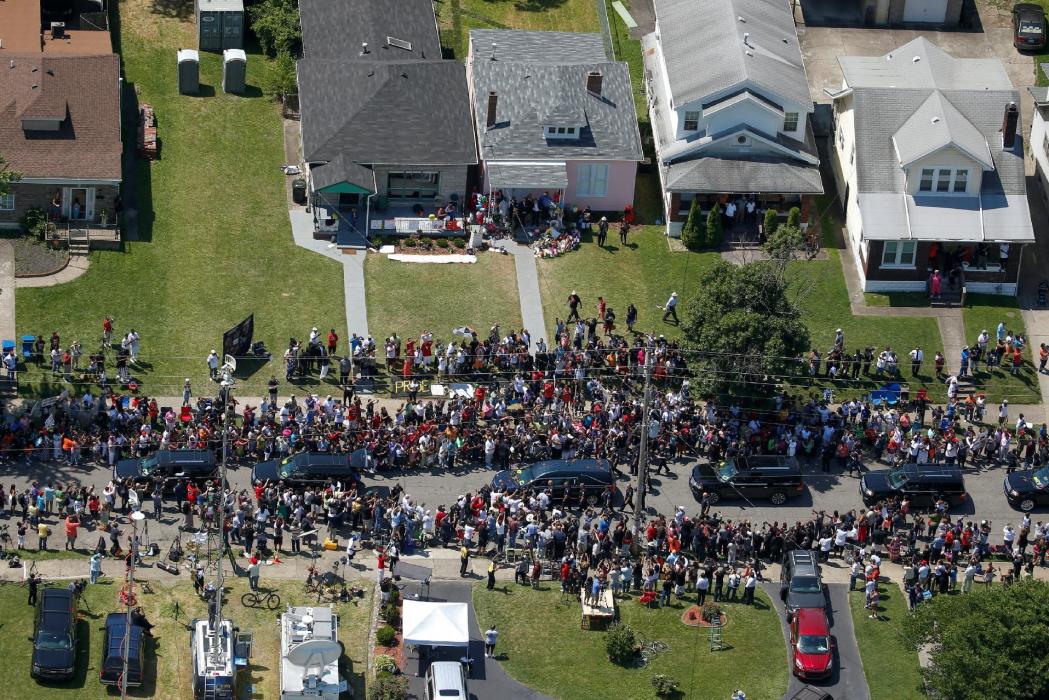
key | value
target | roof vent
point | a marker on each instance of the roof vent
(740, 18)
(935, 120)
(399, 43)
(888, 57)
(749, 53)
(493, 50)
(746, 38)
(916, 59)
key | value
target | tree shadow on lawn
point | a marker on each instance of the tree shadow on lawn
(177, 9)
(538, 5)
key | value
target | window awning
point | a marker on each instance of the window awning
(527, 175)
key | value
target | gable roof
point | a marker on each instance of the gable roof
(921, 64)
(338, 28)
(411, 112)
(84, 91)
(703, 46)
(935, 125)
(540, 79)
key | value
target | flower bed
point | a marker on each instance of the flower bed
(424, 245)
(694, 617)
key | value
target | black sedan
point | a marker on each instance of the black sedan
(1028, 26)
(1027, 489)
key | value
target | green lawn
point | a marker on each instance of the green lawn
(410, 298)
(986, 311)
(169, 658)
(643, 273)
(541, 645)
(216, 242)
(891, 666)
(455, 18)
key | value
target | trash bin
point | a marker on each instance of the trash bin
(298, 191)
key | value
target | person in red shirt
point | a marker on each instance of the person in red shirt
(333, 341)
(380, 566)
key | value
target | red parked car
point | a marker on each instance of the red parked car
(811, 650)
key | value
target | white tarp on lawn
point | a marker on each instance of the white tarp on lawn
(436, 624)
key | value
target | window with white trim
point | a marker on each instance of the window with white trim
(961, 180)
(899, 253)
(790, 121)
(943, 180)
(926, 182)
(592, 180)
(7, 201)
(691, 121)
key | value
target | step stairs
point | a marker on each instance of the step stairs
(950, 298)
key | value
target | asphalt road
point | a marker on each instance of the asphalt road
(829, 492)
(487, 678)
(847, 680)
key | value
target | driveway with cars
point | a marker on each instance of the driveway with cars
(847, 680)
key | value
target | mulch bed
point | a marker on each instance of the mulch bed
(396, 651)
(34, 258)
(693, 617)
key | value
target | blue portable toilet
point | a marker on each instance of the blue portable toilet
(8, 346)
(27, 345)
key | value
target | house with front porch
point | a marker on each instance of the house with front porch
(929, 162)
(730, 106)
(60, 123)
(553, 114)
(385, 122)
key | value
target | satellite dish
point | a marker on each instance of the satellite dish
(229, 362)
(315, 652)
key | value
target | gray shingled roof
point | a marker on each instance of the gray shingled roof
(554, 48)
(550, 175)
(341, 168)
(415, 112)
(762, 174)
(337, 28)
(935, 125)
(703, 47)
(880, 112)
(544, 85)
(921, 64)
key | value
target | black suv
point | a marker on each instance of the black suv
(113, 651)
(1027, 489)
(313, 469)
(922, 484)
(561, 476)
(54, 641)
(169, 465)
(773, 477)
(800, 583)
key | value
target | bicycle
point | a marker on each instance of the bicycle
(260, 599)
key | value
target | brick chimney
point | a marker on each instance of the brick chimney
(493, 102)
(593, 82)
(1009, 123)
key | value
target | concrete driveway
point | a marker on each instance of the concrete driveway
(821, 46)
(848, 680)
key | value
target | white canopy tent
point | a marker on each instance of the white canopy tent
(436, 624)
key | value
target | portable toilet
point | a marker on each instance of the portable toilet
(234, 69)
(220, 24)
(188, 71)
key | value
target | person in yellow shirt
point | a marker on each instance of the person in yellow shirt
(43, 531)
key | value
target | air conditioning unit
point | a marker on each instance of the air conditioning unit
(58, 30)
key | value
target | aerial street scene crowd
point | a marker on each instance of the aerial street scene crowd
(573, 349)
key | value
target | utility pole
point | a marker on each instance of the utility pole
(129, 599)
(642, 457)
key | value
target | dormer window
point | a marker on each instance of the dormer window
(562, 132)
(944, 180)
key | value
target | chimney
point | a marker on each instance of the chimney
(1012, 116)
(593, 82)
(493, 101)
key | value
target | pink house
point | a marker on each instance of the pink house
(553, 114)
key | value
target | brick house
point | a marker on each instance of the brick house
(59, 120)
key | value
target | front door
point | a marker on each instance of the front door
(78, 204)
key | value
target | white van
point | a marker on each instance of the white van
(446, 680)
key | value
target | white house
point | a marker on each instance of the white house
(928, 158)
(1039, 134)
(730, 106)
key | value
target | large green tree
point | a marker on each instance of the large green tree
(986, 644)
(743, 326)
(276, 24)
(691, 233)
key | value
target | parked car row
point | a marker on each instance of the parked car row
(801, 589)
(56, 637)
